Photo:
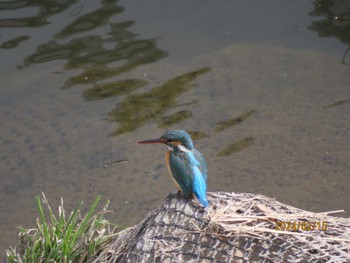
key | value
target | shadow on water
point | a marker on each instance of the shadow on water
(336, 23)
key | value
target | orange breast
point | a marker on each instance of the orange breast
(167, 157)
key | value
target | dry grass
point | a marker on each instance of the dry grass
(254, 216)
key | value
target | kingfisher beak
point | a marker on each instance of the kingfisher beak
(152, 141)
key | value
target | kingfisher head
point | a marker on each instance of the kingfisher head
(173, 138)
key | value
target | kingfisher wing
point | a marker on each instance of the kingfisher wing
(181, 171)
(187, 171)
(202, 163)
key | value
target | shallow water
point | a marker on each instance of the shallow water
(265, 98)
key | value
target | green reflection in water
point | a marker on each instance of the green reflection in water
(335, 104)
(336, 22)
(137, 109)
(96, 18)
(188, 103)
(135, 53)
(112, 89)
(13, 43)
(197, 135)
(236, 146)
(43, 10)
(174, 118)
(101, 56)
(220, 126)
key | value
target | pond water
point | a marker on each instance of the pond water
(262, 86)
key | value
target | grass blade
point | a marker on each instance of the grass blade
(47, 241)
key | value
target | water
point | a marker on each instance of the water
(265, 97)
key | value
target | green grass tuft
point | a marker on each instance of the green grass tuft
(72, 238)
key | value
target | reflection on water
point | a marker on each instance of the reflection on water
(39, 11)
(174, 118)
(96, 60)
(236, 120)
(335, 104)
(137, 109)
(197, 135)
(101, 50)
(103, 56)
(13, 43)
(113, 89)
(92, 20)
(236, 146)
(336, 23)
(96, 53)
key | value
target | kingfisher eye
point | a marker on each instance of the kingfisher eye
(169, 140)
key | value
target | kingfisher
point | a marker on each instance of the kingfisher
(186, 165)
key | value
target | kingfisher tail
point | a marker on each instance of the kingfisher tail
(200, 187)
